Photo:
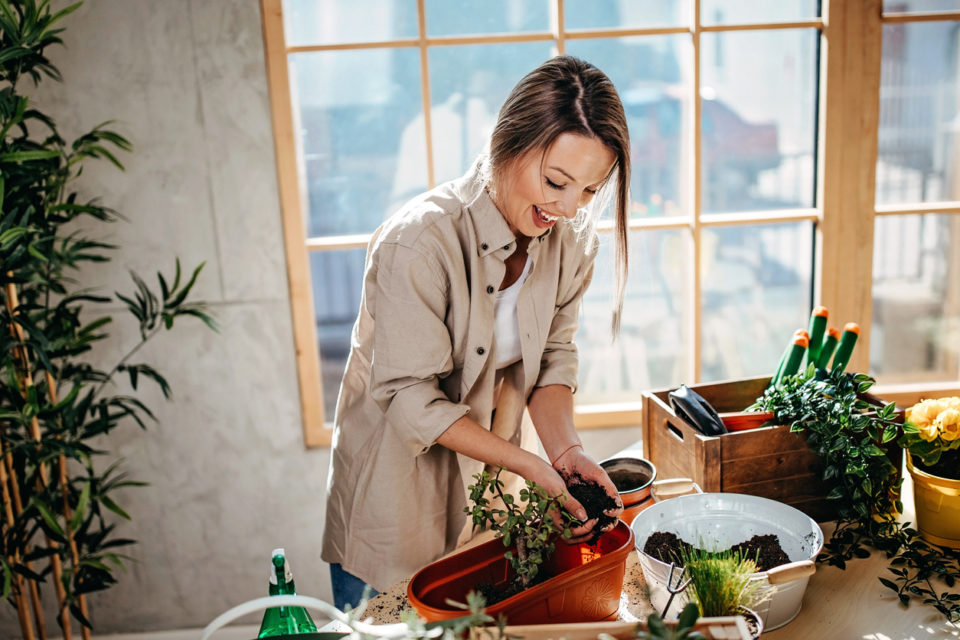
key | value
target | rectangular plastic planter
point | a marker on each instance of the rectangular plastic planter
(585, 587)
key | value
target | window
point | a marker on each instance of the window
(775, 200)
(915, 334)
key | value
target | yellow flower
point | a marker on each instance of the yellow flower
(948, 423)
(924, 413)
(929, 431)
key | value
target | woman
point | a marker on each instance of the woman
(465, 332)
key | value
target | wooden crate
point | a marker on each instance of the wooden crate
(769, 462)
(728, 628)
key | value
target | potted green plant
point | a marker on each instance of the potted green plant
(526, 527)
(57, 530)
(931, 438)
(542, 581)
(721, 584)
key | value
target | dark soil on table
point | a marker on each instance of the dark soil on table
(595, 500)
(765, 550)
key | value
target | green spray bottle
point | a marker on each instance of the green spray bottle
(279, 621)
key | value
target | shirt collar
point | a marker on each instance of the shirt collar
(490, 228)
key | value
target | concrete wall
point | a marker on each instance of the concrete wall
(229, 476)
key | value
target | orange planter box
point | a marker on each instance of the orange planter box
(767, 461)
(586, 584)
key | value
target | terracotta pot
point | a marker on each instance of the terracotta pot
(745, 420)
(585, 587)
(633, 477)
(937, 505)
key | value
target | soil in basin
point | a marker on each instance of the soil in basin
(765, 549)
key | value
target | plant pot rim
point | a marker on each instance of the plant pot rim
(951, 483)
(639, 493)
(492, 551)
(756, 616)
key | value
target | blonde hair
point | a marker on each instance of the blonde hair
(568, 95)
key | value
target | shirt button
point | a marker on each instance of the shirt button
(507, 247)
(489, 288)
(481, 351)
(484, 246)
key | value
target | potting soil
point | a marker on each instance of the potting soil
(595, 500)
(765, 550)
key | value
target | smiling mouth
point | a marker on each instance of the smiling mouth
(543, 216)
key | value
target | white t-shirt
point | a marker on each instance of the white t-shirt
(505, 326)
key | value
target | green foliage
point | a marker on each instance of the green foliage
(720, 582)
(526, 524)
(846, 432)
(657, 629)
(54, 402)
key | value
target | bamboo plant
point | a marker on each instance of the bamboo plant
(58, 525)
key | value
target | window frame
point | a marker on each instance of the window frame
(849, 88)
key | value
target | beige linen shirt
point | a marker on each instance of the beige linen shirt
(422, 356)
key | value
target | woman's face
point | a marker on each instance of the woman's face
(536, 195)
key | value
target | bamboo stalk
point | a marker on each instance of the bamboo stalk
(25, 378)
(25, 626)
(74, 553)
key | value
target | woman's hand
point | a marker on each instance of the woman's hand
(554, 485)
(574, 462)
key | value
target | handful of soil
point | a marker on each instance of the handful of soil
(595, 500)
(765, 550)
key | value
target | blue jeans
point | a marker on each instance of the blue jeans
(347, 588)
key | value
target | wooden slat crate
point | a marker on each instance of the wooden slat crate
(730, 628)
(769, 462)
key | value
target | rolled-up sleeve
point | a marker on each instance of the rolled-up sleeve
(412, 346)
(560, 361)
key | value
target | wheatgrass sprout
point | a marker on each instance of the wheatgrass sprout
(721, 582)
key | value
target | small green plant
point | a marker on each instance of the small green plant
(846, 432)
(657, 629)
(721, 582)
(526, 523)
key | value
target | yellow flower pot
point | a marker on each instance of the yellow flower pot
(937, 505)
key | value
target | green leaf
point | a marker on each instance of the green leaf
(113, 506)
(7, 581)
(27, 156)
(889, 433)
(36, 253)
(82, 504)
(48, 517)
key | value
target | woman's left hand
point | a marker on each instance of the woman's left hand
(575, 462)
